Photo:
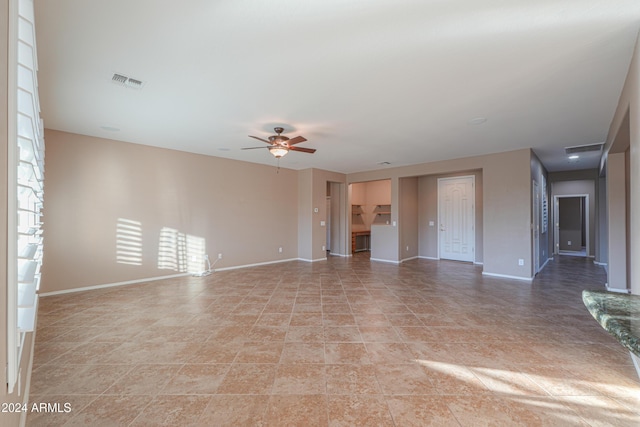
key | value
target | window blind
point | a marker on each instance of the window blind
(26, 178)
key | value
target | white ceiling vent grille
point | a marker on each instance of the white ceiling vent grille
(584, 148)
(122, 80)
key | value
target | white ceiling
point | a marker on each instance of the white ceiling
(365, 81)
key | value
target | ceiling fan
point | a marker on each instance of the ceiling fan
(280, 145)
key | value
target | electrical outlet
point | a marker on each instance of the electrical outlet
(324, 248)
(220, 255)
(280, 249)
(521, 262)
(407, 248)
(569, 242)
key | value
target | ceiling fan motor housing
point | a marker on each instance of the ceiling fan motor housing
(278, 139)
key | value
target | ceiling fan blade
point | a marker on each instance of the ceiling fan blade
(252, 148)
(260, 139)
(304, 150)
(296, 140)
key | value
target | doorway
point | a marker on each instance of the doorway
(336, 219)
(456, 218)
(571, 225)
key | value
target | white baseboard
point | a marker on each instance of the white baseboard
(309, 260)
(478, 263)
(111, 285)
(258, 264)
(429, 257)
(617, 290)
(603, 264)
(507, 276)
(339, 255)
(408, 259)
(384, 260)
(152, 279)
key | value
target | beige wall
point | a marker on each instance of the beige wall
(617, 213)
(239, 208)
(506, 204)
(305, 214)
(409, 218)
(244, 211)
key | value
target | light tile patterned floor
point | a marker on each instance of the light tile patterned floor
(345, 342)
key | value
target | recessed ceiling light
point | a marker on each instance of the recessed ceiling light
(110, 128)
(574, 157)
(477, 120)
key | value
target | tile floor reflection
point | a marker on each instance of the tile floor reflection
(345, 342)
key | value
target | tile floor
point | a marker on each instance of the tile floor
(344, 342)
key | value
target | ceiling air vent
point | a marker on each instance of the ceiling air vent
(122, 80)
(584, 148)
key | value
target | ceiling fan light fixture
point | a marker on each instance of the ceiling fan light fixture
(278, 151)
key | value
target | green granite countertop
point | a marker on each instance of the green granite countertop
(618, 314)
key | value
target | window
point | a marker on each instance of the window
(26, 176)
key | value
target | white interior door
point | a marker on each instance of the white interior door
(456, 217)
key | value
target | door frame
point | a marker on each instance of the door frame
(473, 212)
(556, 221)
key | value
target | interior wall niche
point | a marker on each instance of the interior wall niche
(370, 204)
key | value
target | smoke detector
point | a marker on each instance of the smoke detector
(122, 80)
